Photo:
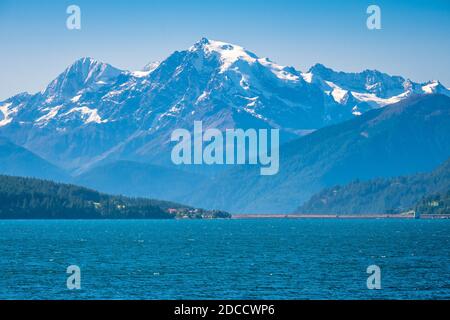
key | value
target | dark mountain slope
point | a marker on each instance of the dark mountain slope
(142, 180)
(380, 195)
(15, 160)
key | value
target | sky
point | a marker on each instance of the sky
(36, 45)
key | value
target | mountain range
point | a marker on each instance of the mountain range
(95, 113)
(109, 128)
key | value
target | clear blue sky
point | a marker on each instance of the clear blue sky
(36, 46)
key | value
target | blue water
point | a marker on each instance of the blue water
(236, 259)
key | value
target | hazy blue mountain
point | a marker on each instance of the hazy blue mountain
(93, 113)
(142, 180)
(388, 195)
(404, 138)
(15, 160)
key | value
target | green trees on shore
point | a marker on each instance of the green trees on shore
(28, 198)
(435, 204)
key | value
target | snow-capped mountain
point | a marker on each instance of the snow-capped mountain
(94, 112)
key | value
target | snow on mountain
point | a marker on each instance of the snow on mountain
(434, 86)
(89, 115)
(368, 81)
(6, 113)
(230, 55)
(51, 113)
(368, 89)
(148, 68)
(82, 74)
(94, 112)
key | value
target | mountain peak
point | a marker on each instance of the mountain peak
(203, 41)
(200, 45)
(81, 73)
(222, 48)
(84, 60)
(88, 64)
(227, 53)
(435, 86)
(318, 66)
(151, 66)
(148, 68)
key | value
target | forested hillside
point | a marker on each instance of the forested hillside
(389, 195)
(28, 198)
(435, 204)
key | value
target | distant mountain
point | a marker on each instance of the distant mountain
(401, 139)
(15, 160)
(142, 180)
(393, 195)
(93, 113)
(26, 198)
(373, 86)
(84, 74)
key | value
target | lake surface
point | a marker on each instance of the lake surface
(225, 259)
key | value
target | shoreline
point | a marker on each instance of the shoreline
(335, 216)
(255, 217)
